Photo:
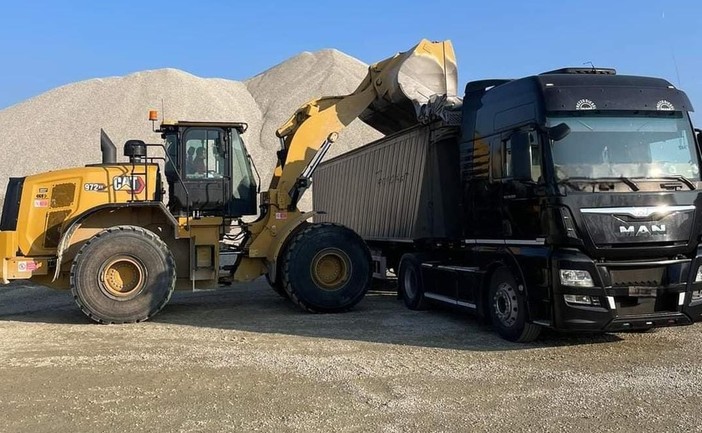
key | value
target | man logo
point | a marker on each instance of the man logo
(655, 229)
(133, 184)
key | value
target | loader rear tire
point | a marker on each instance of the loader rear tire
(277, 286)
(124, 274)
(326, 268)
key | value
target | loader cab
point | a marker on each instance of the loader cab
(208, 169)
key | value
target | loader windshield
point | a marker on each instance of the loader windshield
(628, 146)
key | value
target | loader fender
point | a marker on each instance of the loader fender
(280, 240)
(70, 230)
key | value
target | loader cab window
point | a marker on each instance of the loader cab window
(205, 153)
(242, 174)
(172, 149)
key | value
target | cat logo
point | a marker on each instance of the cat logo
(642, 230)
(133, 184)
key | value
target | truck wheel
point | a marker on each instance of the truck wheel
(410, 282)
(326, 268)
(508, 309)
(123, 274)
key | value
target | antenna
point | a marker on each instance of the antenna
(591, 65)
(672, 54)
(675, 63)
(163, 109)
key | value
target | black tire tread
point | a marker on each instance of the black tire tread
(422, 304)
(289, 289)
(144, 232)
(530, 331)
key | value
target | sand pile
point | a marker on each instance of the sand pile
(60, 128)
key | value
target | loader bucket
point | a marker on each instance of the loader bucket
(407, 81)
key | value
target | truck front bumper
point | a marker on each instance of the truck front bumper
(625, 296)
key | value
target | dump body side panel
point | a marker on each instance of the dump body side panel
(394, 189)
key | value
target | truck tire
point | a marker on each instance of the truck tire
(326, 268)
(124, 274)
(410, 282)
(508, 309)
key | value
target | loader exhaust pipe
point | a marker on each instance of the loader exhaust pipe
(108, 149)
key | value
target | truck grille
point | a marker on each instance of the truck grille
(650, 277)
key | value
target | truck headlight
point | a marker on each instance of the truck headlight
(576, 278)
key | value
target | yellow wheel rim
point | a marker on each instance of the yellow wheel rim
(330, 268)
(122, 277)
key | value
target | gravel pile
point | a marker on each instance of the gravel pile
(60, 128)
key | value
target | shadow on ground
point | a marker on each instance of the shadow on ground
(379, 318)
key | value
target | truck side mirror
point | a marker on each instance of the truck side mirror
(559, 132)
(520, 145)
(699, 137)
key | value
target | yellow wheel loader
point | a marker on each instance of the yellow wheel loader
(104, 232)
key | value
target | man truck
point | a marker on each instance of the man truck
(568, 200)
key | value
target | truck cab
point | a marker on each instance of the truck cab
(591, 182)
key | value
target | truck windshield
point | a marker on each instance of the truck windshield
(606, 146)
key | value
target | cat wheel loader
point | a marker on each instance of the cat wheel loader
(104, 232)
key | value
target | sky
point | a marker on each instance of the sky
(46, 44)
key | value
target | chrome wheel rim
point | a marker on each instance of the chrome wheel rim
(505, 305)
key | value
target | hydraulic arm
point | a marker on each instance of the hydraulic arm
(388, 99)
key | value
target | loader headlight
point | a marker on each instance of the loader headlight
(576, 278)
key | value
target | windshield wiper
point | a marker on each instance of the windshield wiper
(677, 177)
(595, 180)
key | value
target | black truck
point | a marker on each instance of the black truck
(568, 200)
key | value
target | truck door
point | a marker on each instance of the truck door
(482, 204)
(522, 186)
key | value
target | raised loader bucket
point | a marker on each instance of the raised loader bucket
(407, 81)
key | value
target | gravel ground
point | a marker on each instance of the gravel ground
(243, 359)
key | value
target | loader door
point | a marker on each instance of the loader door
(215, 173)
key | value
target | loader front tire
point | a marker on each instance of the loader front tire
(326, 268)
(123, 274)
